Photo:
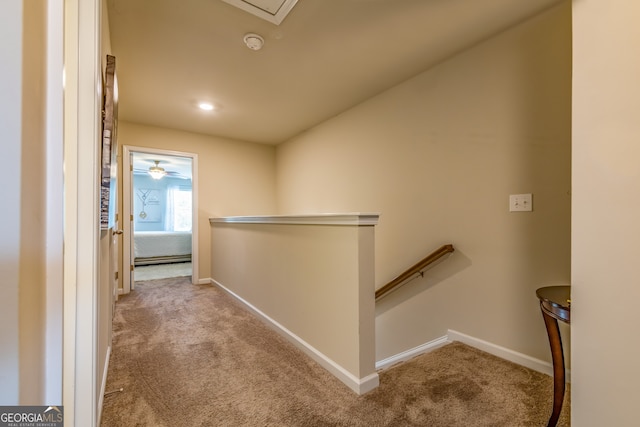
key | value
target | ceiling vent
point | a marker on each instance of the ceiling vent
(273, 11)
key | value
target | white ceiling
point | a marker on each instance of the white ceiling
(176, 167)
(325, 57)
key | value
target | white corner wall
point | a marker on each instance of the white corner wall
(10, 124)
(54, 203)
(605, 219)
(438, 156)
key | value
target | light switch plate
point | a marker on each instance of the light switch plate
(520, 203)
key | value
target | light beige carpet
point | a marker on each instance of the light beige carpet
(189, 355)
(161, 271)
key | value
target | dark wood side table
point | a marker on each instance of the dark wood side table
(555, 303)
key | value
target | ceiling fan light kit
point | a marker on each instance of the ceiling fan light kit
(156, 171)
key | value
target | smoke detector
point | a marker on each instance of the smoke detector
(253, 41)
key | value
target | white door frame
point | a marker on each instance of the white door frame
(82, 136)
(127, 208)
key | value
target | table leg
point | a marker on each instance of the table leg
(557, 356)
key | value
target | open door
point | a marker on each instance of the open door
(146, 207)
(127, 221)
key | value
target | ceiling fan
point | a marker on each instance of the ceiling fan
(157, 172)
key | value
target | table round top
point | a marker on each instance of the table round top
(556, 295)
(556, 300)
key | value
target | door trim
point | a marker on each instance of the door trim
(127, 183)
(81, 227)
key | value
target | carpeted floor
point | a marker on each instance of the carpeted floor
(162, 271)
(190, 355)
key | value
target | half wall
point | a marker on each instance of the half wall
(312, 278)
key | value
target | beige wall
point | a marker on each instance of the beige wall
(437, 157)
(32, 206)
(316, 281)
(22, 251)
(606, 226)
(235, 178)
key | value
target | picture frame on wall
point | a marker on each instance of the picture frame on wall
(150, 210)
(109, 147)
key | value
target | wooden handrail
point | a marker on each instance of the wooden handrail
(418, 267)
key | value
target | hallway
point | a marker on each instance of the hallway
(190, 355)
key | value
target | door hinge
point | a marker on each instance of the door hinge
(131, 217)
(131, 267)
(131, 168)
(116, 275)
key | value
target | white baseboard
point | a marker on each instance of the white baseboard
(505, 353)
(411, 353)
(359, 385)
(488, 347)
(206, 281)
(363, 385)
(104, 384)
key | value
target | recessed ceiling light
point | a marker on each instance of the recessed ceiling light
(205, 106)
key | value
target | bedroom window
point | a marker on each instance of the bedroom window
(179, 215)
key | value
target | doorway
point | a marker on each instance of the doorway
(160, 212)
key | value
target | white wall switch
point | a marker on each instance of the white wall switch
(520, 203)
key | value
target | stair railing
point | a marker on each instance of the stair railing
(418, 268)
